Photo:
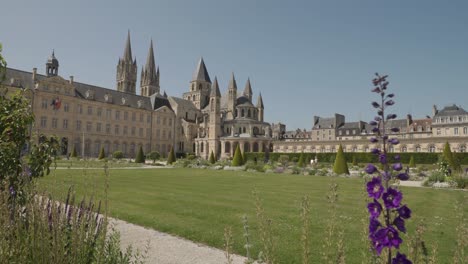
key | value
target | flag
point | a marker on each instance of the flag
(56, 103)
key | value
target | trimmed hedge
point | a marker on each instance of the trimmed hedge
(361, 157)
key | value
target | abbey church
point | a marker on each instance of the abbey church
(87, 117)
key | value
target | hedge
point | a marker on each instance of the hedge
(360, 157)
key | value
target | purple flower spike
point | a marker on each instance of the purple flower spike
(383, 158)
(390, 102)
(375, 129)
(395, 129)
(375, 105)
(403, 176)
(386, 237)
(374, 140)
(391, 116)
(392, 198)
(391, 95)
(404, 212)
(394, 141)
(374, 209)
(375, 188)
(401, 259)
(377, 118)
(397, 166)
(372, 123)
(371, 168)
(400, 224)
(373, 225)
(376, 90)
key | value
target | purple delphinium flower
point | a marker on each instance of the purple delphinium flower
(403, 176)
(386, 175)
(372, 123)
(401, 259)
(404, 212)
(397, 157)
(375, 105)
(370, 169)
(395, 129)
(375, 151)
(392, 198)
(389, 102)
(375, 130)
(374, 140)
(400, 224)
(394, 141)
(386, 237)
(397, 166)
(375, 188)
(374, 224)
(391, 116)
(374, 209)
(383, 158)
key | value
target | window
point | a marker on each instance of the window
(116, 130)
(99, 111)
(465, 130)
(148, 131)
(98, 127)
(108, 128)
(125, 115)
(170, 121)
(90, 110)
(158, 134)
(133, 116)
(108, 113)
(141, 117)
(170, 134)
(140, 132)
(438, 131)
(66, 107)
(148, 118)
(65, 124)
(117, 115)
(455, 131)
(78, 125)
(89, 126)
(431, 149)
(133, 131)
(164, 121)
(44, 104)
(43, 122)
(158, 120)
(125, 132)
(54, 122)
(164, 134)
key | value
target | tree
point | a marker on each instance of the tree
(448, 156)
(73, 153)
(102, 154)
(354, 161)
(237, 160)
(412, 164)
(154, 155)
(340, 166)
(140, 158)
(212, 158)
(117, 154)
(171, 158)
(301, 161)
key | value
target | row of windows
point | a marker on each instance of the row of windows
(456, 131)
(451, 119)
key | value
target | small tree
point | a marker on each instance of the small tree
(340, 166)
(171, 158)
(237, 160)
(412, 164)
(140, 158)
(154, 155)
(102, 154)
(73, 153)
(283, 160)
(118, 155)
(354, 161)
(448, 156)
(212, 158)
(301, 161)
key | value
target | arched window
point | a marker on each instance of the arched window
(201, 147)
(242, 113)
(248, 113)
(199, 87)
(432, 148)
(244, 130)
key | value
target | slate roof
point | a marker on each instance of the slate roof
(184, 103)
(400, 123)
(158, 101)
(23, 78)
(324, 123)
(201, 73)
(243, 101)
(452, 110)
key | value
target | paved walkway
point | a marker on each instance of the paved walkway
(169, 249)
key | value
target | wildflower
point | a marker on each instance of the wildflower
(386, 237)
(375, 188)
(391, 116)
(375, 104)
(375, 151)
(395, 129)
(404, 212)
(403, 176)
(372, 123)
(392, 198)
(374, 209)
(397, 166)
(383, 158)
(371, 168)
(401, 259)
(393, 141)
(374, 140)
(400, 224)
(390, 102)
(374, 224)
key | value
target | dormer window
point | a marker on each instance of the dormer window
(108, 98)
(124, 100)
(140, 103)
(89, 94)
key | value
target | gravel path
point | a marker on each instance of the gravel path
(411, 183)
(169, 249)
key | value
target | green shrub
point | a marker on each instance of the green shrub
(340, 166)
(191, 157)
(237, 160)
(171, 157)
(117, 154)
(140, 158)
(412, 164)
(73, 153)
(354, 161)
(462, 182)
(301, 161)
(153, 155)
(212, 158)
(102, 154)
(284, 160)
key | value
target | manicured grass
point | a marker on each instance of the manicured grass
(197, 204)
(94, 163)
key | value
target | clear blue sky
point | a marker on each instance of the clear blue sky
(306, 57)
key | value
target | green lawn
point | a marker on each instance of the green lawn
(197, 204)
(94, 163)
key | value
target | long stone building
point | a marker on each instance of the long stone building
(87, 117)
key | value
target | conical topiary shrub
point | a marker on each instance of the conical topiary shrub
(340, 166)
(301, 162)
(412, 164)
(140, 158)
(354, 161)
(171, 157)
(73, 153)
(449, 157)
(212, 158)
(237, 160)
(102, 154)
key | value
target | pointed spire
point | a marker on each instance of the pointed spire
(232, 82)
(260, 101)
(215, 89)
(201, 73)
(128, 49)
(165, 94)
(248, 89)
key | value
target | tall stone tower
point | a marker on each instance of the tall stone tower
(248, 90)
(149, 82)
(127, 70)
(52, 65)
(260, 107)
(200, 86)
(215, 119)
(232, 97)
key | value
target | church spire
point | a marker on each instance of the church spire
(149, 76)
(201, 73)
(215, 89)
(127, 70)
(232, 82)
(248, 90)
(260, 102)
(128, 49)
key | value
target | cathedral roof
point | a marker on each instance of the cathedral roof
(201, 73)
(452, 110)
(243, 101)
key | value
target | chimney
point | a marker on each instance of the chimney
(71, 80)
(409, 120)
(34, 73)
